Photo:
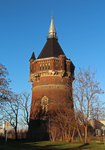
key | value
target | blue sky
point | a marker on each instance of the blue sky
(24, 25)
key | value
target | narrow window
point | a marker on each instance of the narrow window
(43, 67)
(48, 66)
(40, 68)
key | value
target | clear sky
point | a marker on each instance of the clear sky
(24, 25)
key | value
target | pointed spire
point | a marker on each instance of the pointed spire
(33, 55)
(52, 31)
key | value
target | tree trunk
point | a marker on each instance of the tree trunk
(72, 139)
(62, 135)
(15, 133)
(86, 134)
(16, 137)
(79, 135)
(69, 134)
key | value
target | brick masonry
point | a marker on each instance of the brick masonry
(51, 80)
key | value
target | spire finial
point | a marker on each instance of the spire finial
(52, 31)
(33, 49)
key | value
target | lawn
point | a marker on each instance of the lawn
(47, 145)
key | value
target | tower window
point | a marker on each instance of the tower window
(48, 66)
(43, 67)
(40, 68)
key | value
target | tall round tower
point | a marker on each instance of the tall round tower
(51, 75)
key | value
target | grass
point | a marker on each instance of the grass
(53, 145)
(47, 145)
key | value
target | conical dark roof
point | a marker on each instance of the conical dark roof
(51, 49)
(33, 56)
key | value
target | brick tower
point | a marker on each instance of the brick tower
(51, 75)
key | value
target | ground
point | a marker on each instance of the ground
(47, 145)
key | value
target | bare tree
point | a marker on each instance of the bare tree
(4, 85)
(11, 112)
(62, 123)
(99, 111)
(4, 81)
(25, 108)
(86, 91)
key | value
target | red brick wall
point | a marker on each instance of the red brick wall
(55, 64)
(55, 83)
(57, 89)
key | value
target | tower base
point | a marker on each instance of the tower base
(38, 130)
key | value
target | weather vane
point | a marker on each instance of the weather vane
(51, 12)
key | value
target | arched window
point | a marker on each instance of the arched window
(44, 103)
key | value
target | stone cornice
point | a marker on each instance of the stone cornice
(42, 59)
(50, 58)
(39, 74)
